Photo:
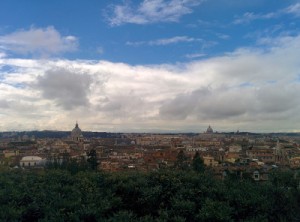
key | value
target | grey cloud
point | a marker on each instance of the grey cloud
(242, 104)
(68, 89)
(278, 99)
(125, 104)
(183, 104)
(223, 104)
(4, 104)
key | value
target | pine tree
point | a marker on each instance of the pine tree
(198, 164)
(181, 161)
(92, 159)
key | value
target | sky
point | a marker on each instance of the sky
(150, 65)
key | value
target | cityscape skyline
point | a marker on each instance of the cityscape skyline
(150, 65)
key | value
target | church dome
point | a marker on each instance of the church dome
(209, 130)
(76, 133)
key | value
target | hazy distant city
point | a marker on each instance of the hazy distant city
(253, 153)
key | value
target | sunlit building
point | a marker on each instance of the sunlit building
(31, 161)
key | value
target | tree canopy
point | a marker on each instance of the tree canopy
(164, 195)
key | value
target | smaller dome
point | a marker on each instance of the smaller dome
(76, 130)
(76, 133)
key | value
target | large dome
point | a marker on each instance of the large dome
(209, 129)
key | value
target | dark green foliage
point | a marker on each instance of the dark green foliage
(284, 179)
(167, 195)
(198, 163)
(181, 161)
(215, 211)
(92, 159)
(72, 165)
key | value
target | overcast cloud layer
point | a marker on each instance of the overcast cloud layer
(247, 89)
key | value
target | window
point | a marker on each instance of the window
(256, 175)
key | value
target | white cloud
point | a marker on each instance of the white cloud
(293, 9)
(139, 43)
(174, 40)
(151, 11)
(166, 41)
(2, 54)
(223, 36)
(38, 41)
(100, 50)
(195, 55)
(250, 16)
(249, 89)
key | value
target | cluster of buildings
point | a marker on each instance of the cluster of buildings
(238, 153)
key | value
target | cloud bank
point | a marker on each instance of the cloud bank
(247, 89)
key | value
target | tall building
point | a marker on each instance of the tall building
(76, 133)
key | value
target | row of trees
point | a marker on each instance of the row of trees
(183, 163)
(165, 195)
(74, 165)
